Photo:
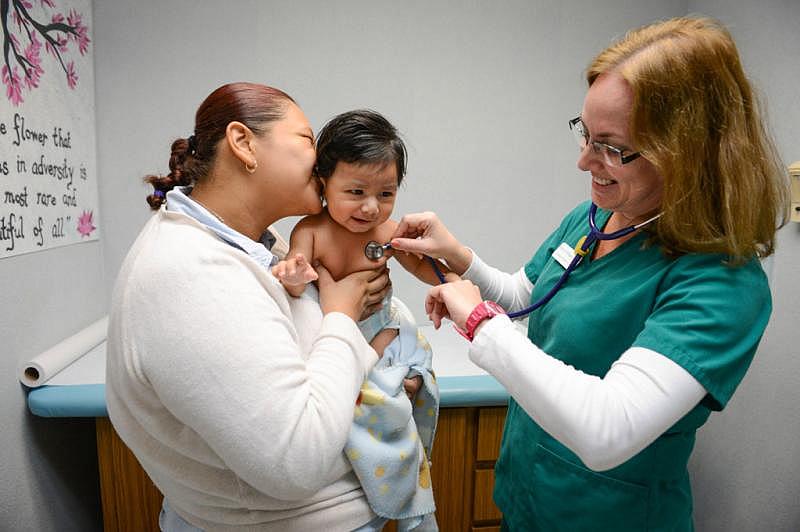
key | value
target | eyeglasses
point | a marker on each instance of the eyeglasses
(611, 155)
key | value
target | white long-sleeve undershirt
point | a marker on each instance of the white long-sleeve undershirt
(510, 291)
(605, 421)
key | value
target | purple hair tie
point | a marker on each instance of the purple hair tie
(159, 194)
(191, 147)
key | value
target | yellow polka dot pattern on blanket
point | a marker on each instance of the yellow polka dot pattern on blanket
(371, 396)
(424, 473)
(353, 454)
(375, 434)
(422, 341)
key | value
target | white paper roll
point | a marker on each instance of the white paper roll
(43, 367)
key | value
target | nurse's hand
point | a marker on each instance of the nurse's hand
(358, 294)
(455, 301)
(424, 233)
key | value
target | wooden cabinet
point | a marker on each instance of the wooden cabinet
(131, 502)
(466, 447)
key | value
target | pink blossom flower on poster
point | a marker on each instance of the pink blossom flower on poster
(33, 77)
(33, 49)
(33, 58)
(85, 223)
(13, 88)
(72, 77)
(22, 65)
(83, 39)
(74, 18)
(57, 45)
(62, 42)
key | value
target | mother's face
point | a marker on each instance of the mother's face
(286, 158)
(634, 189)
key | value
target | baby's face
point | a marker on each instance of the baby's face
(361, 197)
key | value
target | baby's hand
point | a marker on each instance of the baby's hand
(295, 271)
(412, 386)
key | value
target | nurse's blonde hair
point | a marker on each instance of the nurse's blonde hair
(695, 117)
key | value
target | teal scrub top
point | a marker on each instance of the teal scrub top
(706, 316)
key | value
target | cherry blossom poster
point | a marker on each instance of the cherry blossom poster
(48, 181)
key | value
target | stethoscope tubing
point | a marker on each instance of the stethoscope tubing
(576, 260)
(436, 269)
(581, 250)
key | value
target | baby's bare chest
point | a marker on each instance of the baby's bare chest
(343, 253)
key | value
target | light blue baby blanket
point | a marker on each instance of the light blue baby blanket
(390, 440)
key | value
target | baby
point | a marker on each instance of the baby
(361, 161)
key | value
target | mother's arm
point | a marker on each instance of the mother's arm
(228, 364)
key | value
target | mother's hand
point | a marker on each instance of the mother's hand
(378, 287)
(424, 233)
(358, 295)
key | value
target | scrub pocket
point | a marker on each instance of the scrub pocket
(570, 497)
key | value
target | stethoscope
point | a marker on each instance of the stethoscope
(375, 250)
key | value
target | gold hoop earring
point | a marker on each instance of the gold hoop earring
(251, 169)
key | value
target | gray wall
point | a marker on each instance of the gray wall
(482, 92)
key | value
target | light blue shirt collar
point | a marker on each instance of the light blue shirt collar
(179, 200)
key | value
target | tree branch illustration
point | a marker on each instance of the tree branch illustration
(22, 59)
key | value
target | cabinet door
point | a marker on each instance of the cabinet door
(131, 502)
(490, 431)
(452, 468)
(489, 434)
(484, 509)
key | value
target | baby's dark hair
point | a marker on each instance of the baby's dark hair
(360, 137)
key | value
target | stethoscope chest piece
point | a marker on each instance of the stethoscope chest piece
(375, 250)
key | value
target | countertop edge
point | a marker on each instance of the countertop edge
(89, 400)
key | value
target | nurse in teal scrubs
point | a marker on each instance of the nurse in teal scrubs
(652, 331)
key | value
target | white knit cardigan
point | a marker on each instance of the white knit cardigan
(236, 399)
